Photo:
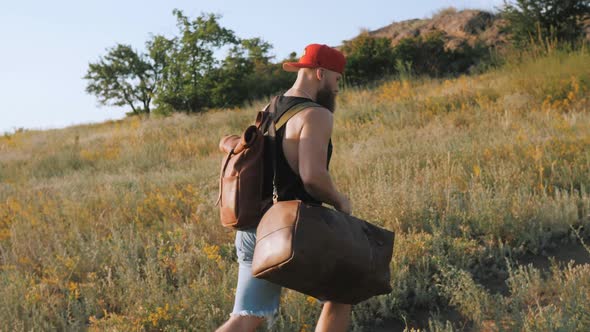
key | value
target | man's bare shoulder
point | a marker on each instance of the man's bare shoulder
(316, 114)
(311, 117)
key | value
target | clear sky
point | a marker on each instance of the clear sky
(47, 45)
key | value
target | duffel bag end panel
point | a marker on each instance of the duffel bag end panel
(274, 241)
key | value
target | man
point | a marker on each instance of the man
(303, 152)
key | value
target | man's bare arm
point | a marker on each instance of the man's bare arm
(313, 150)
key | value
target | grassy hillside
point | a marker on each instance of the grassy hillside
(112, 226)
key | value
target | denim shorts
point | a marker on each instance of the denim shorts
(254, 297)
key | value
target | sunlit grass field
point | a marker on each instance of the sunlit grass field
(112, 226)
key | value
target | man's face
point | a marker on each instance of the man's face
(326, 95)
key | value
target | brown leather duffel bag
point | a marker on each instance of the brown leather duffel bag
(322, 252)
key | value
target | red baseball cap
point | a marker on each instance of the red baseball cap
(317, 55)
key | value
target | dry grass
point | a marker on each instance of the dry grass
(112, 226)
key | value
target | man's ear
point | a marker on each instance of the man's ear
(319, 73)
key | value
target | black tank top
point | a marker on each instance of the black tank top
(289, 184)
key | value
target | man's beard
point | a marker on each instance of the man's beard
(326, 98)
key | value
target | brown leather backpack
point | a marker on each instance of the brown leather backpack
(243, 179)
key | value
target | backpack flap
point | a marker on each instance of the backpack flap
(228, 143)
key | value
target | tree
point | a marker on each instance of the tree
(231, 79)
(183, 73)
(368, 58)
(264, 77)
(529, 20)
(247, 74)
(190, 60)
(426, 53)
(162, 51)
(123, 77)
(258, 51)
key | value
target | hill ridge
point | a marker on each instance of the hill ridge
(459, 28)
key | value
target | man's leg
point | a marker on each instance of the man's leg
(256, 299)
(241, 324)
(335, 317)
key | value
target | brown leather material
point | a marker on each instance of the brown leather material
(240, 183)
(322, 252)
(276, 238)
(263, 116)
(228, 143)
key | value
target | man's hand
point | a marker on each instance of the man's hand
(343, 205)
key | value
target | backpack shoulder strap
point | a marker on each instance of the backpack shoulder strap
(294, 110)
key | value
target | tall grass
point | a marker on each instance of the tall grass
(112, 226)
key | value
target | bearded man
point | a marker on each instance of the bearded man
(304, 149)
